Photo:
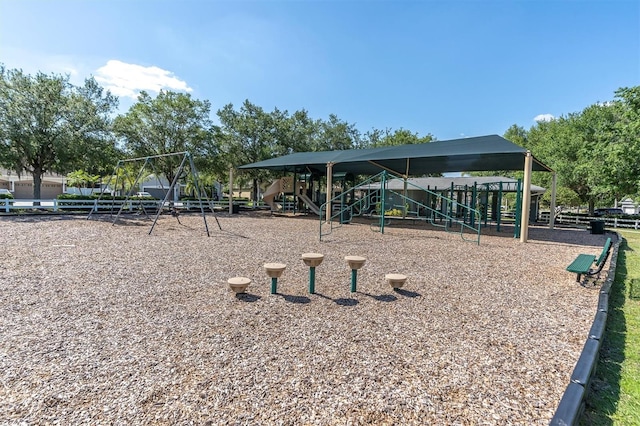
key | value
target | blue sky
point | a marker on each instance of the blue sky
(449, 68)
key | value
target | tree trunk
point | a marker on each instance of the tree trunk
(254, 192)
(37, 183)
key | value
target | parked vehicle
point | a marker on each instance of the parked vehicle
(608, 212)
(143, 194)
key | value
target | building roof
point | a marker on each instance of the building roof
(482, 153)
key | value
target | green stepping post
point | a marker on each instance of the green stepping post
(355, 263)
(312, 260)
(274, 270)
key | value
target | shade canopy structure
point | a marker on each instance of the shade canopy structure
(475, 154)
(482, 153)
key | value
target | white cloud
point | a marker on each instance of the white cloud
(544, 117)
(129, 79)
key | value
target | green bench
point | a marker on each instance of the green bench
(583, 263)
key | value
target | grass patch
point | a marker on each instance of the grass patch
(614, 396)
(634, 290)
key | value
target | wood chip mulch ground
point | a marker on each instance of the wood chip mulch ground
(105, 324)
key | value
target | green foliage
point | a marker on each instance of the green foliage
(9, 196)
(594, 152)
(377, 138)
(394, 212)
(564, 197)
(169, 123)
(82, 179)
(75, 196)
(50, 125)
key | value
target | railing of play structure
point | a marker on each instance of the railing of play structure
(383, 205)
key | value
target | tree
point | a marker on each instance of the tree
(82, 179)
(336, 134)
(626, 142)
(49, 125)
(248, 136)
(295, 133)
(169, 123)
(378, 138)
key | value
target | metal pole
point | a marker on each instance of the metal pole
(312, 280)
(552, 207)
(274, 285)
(231, 190)
(354, 278)
(329, 191)
(383, 185)
(526, 198)
(499, 215)
(166, 196)
(516, 225)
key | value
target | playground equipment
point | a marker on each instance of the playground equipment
(274, 271)
(289, 185)
(355, 263)
(239, 284)
(379, 202)
(276, 188)
(312, 260)
(395, 280)
(186, 168)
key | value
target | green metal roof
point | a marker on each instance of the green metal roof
(482, 153)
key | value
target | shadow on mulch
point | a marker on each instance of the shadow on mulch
(407, 293)
(295, 299)
(342, 301)
(381, 297)
(346, 301)
(247, 297)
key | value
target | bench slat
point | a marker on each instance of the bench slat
(604, 253)
(582, 264)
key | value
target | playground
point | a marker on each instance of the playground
(106, 323)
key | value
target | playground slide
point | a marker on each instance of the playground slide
(274, 189)
(314, 208)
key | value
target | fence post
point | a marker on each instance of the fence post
(55, 204)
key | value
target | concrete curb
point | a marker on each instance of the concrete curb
(572, 404)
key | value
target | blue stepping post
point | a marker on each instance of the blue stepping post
(355, 263)
(312, 260)
(274, 270)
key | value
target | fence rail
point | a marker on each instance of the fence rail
(8, 205)
(609, 222)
